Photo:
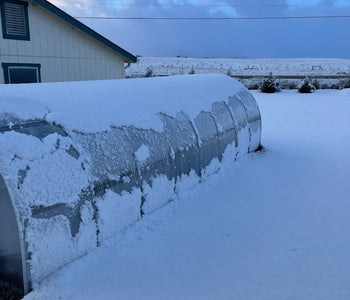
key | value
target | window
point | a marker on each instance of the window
(14, 17)
(21, 73)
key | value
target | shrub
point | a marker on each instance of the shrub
(292, 85)
(344, 84)
(269, 85)
(149, 72)
(325, 86)
(306, 86)
(334, 86)
(316, 84)
(253, 86)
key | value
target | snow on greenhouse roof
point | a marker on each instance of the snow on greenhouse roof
(93, 106)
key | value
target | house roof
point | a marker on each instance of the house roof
(66, 17)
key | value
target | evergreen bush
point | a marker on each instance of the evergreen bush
(344, 84)
(306, 86)
(269, 85)
(316, 84)
(149, 72)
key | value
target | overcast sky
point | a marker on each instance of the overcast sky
(221, 38)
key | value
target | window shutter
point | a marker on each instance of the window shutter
(15, 19)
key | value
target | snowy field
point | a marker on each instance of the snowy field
(259, 66)
(330, 73)
(274, 225)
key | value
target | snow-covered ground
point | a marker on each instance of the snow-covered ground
(330, 72)
(274, 225)
(162, 66)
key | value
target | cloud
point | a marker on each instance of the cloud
(77, 4)
(229, 38)
(223, 8)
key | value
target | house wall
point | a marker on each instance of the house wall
(64, 52)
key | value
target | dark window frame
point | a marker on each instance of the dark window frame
(5, 35)
(7, 66)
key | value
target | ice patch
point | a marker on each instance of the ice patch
(47, 169)
(172, 153)
(115, 212)
(51, 238)
(211, 169)
(12, 146)
(243, 141)
(230, 154)
(142, 153)
(187, 182)
(46, 177)
(220, 128)
(161, 192)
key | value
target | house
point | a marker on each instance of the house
(41, 43)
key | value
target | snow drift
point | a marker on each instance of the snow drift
(79, 162)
